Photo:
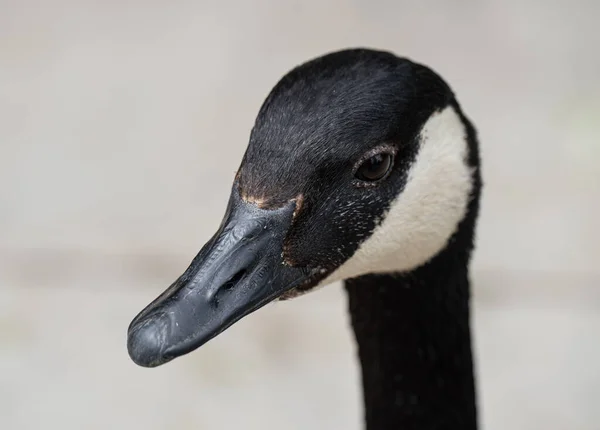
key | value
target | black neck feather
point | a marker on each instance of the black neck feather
(414, 346)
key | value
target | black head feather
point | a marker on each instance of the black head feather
(313, 129)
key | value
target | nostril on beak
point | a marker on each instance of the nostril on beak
(227, 287)
(233, 281)
(146, 340)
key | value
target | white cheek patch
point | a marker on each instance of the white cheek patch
(426, 213)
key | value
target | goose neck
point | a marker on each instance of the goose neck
(414, 345)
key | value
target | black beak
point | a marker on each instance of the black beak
(239, 270)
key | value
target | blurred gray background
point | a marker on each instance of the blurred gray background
(121, 126)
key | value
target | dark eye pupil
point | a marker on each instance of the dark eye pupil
(375, 167)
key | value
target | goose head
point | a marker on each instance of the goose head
(359, 162)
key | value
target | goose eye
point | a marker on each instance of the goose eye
(375, 168)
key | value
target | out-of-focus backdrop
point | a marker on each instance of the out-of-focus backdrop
(121, 126)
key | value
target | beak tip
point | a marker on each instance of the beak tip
(146, 341)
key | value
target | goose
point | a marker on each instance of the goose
(361, 167)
